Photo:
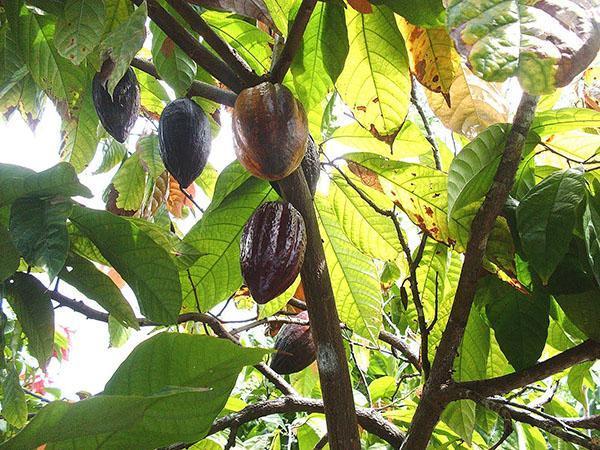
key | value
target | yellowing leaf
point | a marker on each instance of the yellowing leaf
(475, 105)
(432, 57)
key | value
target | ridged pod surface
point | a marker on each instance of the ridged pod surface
(295, 347)
(311, 166)
(269, 131)
(119, 112)
(184, 139)
(272, 250)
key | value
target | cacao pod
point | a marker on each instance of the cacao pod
(184, 138)
(270, 130)
(295, 347)
(119, 112)
(311, 166)
(272, 250)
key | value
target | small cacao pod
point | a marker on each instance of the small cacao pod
(295, 347)
(184, 138)
(119, 112)
(272, 250)
(269, 131)
(311, 166)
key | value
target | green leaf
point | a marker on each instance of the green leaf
(153, 95)
(470, 364)
(54, 74)
(426, 13)
(9, 262)
(280, 12)
(145, 266)
(172, 64)
(130, 182)
(151, 401)
(251, 43)
(372, 233)
(117, 12)
(149, 151)
(83, 275)
(556, 121)
(510, 38)
(322, 54)
(118, 335)
(38, 229)
(519, 320)
(230, 179)
(14, 405)
(376, 84)
(591, 232)
(216, 274)
(80, 139)
(123, 43)
(546, 218)
(208, 180)
(114, 153)
(583, 310)
(353, 277)
(16, 182)
(576, 380)
(79, 28)
(30, 301)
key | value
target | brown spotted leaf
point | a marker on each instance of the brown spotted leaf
(362, 6)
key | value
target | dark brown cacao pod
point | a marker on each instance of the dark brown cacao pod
(269, 131)
(311, 166)
(119, 112)
(295, 347)
(272, 250)
(185, 140)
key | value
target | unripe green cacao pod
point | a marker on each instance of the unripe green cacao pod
(295, 347)
(272, 250)
(119, 112)
(269, 131)
(185, 140)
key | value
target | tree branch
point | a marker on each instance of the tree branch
(201, 55)
(429, 135)
(401, 346)
(208, 319)
(336, 386)
(197, 89)
(432, 401)
(197, 23)
(294, 39)
(559, 427)
(586, 351)
(369, 419)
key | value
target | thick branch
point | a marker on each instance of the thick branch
(198, 88)
(586, 351)
(431, 406)
(559, 427)
(198, 24)
(369, 419)
(294, 39)
(324, 323)
(401, 346)
(201, 55)
(211, 321)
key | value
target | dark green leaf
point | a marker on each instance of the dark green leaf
(79, 28)
(16, 182)
(145, 266)
(83, 275)
(30, 301)
(583, 310)
(591, 232)
(9, 262)
(546, 218)
(520, 321)
(14, 405)
(425, 13)
(39, 231)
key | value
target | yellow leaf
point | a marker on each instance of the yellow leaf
(475, 104)
(432, 57)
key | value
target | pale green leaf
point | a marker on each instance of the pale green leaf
(14, 404)
(130, 182)
(113, 153)
(280, 12)
(353, 277)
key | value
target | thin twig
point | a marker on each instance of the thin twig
(362, 376)
(429, 136)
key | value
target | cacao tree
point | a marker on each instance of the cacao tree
(413, 220)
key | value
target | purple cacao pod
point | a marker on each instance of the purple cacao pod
(295, 347)
(272, 250)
